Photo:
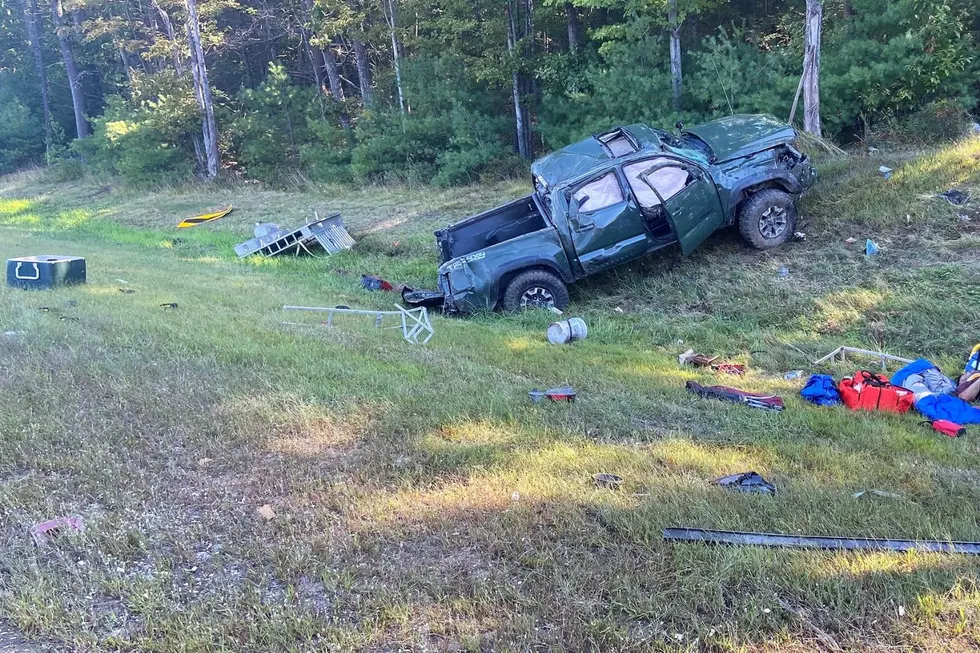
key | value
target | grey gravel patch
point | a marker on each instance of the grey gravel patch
(12, 641)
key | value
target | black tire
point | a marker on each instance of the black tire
(535, 289)
(768, 218)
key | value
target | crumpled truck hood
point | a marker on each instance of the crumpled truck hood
(743, 135)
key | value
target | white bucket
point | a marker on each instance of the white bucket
(566, 331)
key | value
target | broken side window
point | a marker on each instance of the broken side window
(600, 193)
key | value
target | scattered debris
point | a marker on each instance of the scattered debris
(68, 318)
(427, 298)
(13, 336)
(266, 512)
(851, 240)
(707, 536)
(871, 248)
(877, 493)
(735, 369)
(783, 272)
(414, 321)
(870, 392)
(948, 428)
(372, 282)
(885, 172)
(515, 496)
(566, 331)
(44, 532)
(127, 291)
(795, 374)
(45, 271)
(955, 197)
(45, 309)
(169, 306)
(329, 233)
(821, 390)
(693, 358)
(734, 395)
(872, 149)
(608, 481)
(748, 482)
(553, 309)
(122, 281)
(843, 351)
(206, 217)
(799, 235)
(975, 128)
(618, 309)
(71, 303)
(564, 393)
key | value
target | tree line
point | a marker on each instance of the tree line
(451, 91)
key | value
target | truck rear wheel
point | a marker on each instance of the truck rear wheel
(768, 218)
(535, 289)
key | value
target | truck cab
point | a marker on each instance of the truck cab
(620, 195)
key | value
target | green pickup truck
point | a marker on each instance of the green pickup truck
(620, 195)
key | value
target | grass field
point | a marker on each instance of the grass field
(421, 501)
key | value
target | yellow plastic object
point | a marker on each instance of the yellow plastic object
(207, 217)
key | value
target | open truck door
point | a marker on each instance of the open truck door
(690, 200)
(605, 224)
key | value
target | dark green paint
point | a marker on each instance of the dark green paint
(743, 154)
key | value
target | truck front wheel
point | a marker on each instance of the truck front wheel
(535, 289)
(768, 218)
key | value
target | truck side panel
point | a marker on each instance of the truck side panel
(474, 282)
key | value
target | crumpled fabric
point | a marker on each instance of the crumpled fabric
(821, 390)
(936, 407)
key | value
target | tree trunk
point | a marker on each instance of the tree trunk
(676, 74)
(168, 27)
(519, 127)
(333, 74)
(848, 9)
(71, 68)
(574, 27)
(313, 52)
(363, 71)
(811, 67)
(333, 79)
(391, 16)
(34, 36)
(202, 90)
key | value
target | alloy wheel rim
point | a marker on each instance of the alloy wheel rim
(537, 296)
(773, 222)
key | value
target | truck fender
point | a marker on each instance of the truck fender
(515, 267)
(783, 180)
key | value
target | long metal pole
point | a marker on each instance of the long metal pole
(706, 536)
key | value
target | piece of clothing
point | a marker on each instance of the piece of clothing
(871, 392)
(725, 393)
(821, 390)
(915, 367)
(936, 407)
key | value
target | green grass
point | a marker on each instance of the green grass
(422, 502)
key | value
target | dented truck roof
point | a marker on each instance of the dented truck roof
(726, 139)
(577, 159)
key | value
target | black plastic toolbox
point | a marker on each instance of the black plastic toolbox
(45, 271)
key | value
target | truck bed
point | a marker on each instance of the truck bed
(497, 225)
